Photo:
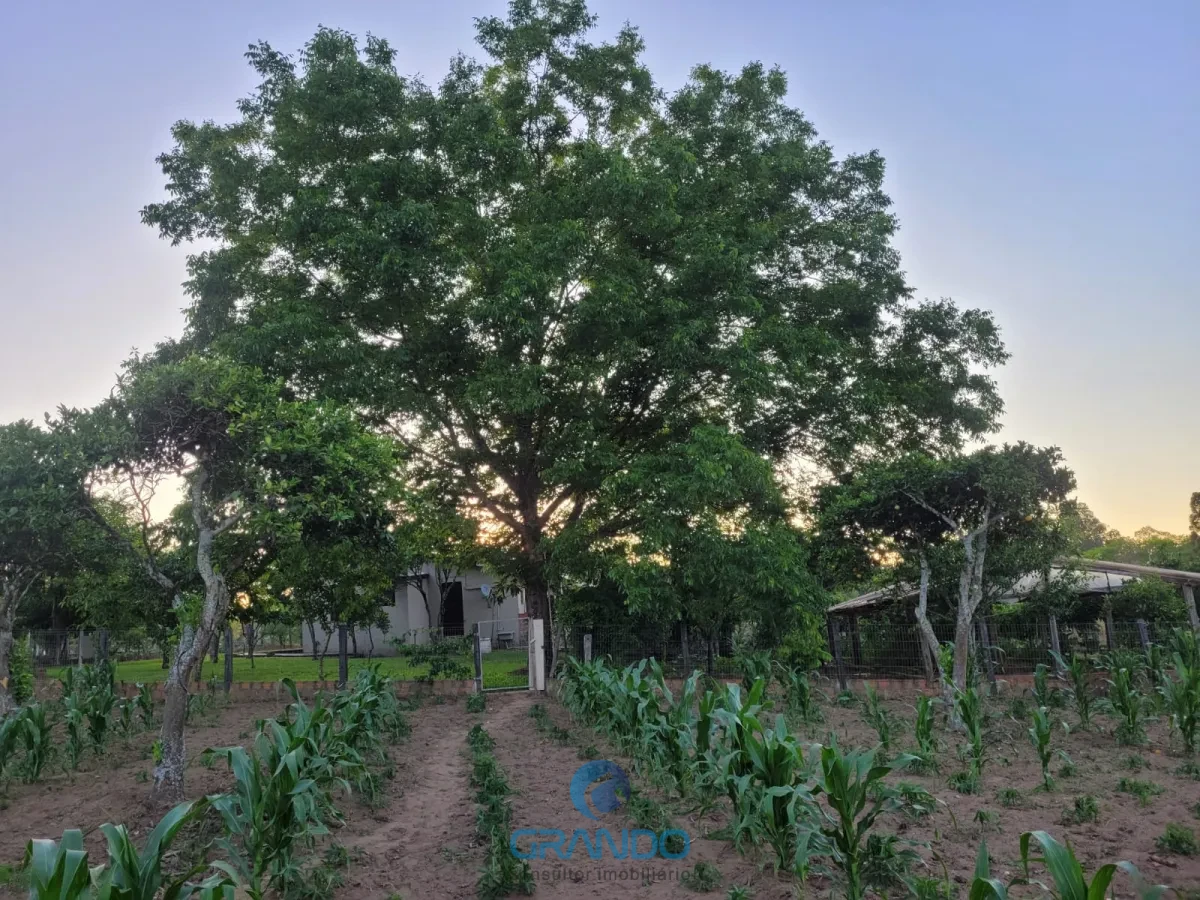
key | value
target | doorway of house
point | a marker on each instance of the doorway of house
(452, 611)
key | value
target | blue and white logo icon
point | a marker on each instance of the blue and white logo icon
(610, 793)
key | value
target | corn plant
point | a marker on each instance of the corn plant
(145, 704)
(1128, 704)
(1043, 693)
(137, 875)
(768, 795)
(36, 739)
(1039, 736)
(1077, 672)
(970, 712)
(878, 717)
(754, 666)
(98, 707)
(76, 724)
(10, 727)
(925, 754)
(1181, 701)
(58, 871)
(1067, 876)
(799, 695)
(855, 796)
(274, 807)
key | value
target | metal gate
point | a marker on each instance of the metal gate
(504, 649)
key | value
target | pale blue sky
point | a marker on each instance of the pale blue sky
(1041, 158)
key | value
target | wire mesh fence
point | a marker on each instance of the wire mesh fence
(873, 649)
(679, 651)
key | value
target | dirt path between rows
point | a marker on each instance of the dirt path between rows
(540, 770)
(421, 845)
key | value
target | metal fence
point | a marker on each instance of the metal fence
(869, 649)
(49, 650)
(679, 651)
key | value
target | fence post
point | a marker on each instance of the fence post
(1054, 644)
(228, 659)
(537, 655)
(478, 654)
(214, 648)
(1189, 600)
(343, 658)
(836, 648)
(1109, 629)
(1144, 636)
(79, 647)
(587, 648)
(102, 648)
(985, 644)
(684, 651)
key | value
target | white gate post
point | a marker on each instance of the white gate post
(537, 655)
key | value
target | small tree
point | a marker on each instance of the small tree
(922, 504)
(262, 473)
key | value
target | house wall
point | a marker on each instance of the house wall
(407, 613)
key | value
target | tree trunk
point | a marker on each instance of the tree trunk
(8, 615)
(193, 642)
(312, 638)
(251, 635)
(933, 660)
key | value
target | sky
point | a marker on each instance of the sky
(1040, 157)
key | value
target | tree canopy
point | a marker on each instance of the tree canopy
(546, 269)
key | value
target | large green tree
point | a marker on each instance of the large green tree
(262, 473)
(41, 497)
(546, 268)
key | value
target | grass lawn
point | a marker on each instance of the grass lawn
(501, 668)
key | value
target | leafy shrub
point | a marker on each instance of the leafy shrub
(476, 703)
(446, 657)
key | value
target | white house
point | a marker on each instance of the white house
(471, 598)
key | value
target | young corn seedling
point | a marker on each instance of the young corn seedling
(76, 731)
(799, 693)
(9, 730)
(1077, 672)
(1128, 704)
(1043, 693)
(36, 739)
(848, 783)
(1181, 701)
(926, 751)
(145, 705)
(1068, 880)
(755, 666)
(878, 717)
(58, 871)
(970, 713)
(1039, 736)
(138, 875)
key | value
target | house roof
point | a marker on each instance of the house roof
(1098, 577)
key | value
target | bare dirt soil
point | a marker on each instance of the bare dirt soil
(116, 787)
(420, 842)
